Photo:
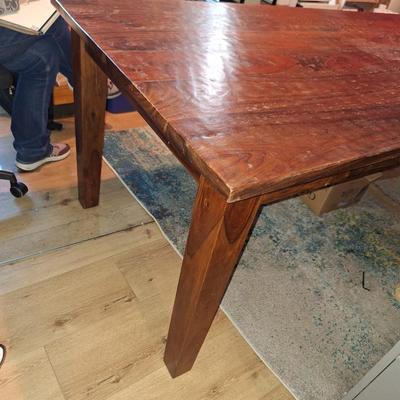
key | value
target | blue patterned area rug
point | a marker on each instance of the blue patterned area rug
(297, 294)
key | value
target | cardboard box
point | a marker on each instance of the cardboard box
(394, 6)
(338, 196)
(383, 9)
(390, 173)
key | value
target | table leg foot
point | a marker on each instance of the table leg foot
(90, 91)
(217, 235)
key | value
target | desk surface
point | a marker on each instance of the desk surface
(255, 98)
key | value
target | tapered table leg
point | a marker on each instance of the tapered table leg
(217, 235)
(90, 91)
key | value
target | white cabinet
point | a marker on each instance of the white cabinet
(386, 386)
(382, 382)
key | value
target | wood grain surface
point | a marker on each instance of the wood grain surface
(216, 239)
(90, 91)
(255, 98)
(60, 330)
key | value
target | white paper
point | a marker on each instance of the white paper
(31, 16)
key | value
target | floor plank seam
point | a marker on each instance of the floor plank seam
(54, 372)
(15, 260)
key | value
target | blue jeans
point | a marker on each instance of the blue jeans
(35, 60)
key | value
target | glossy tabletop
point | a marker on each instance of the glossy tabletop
(255, 98)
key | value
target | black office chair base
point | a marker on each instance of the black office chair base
(17, 189)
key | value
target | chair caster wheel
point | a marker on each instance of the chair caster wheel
(18, 189)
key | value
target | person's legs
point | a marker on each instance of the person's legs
(13, 44)
(36, 62)
(62, 38)
(36, 69)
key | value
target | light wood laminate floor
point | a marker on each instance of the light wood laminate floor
(86, 297)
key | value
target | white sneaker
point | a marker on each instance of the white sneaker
(112, 90)
(2, 354)
(60, 151)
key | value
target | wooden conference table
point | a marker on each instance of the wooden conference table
(259, 103)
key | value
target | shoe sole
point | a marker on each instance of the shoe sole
(114, 95)
(37, 164)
